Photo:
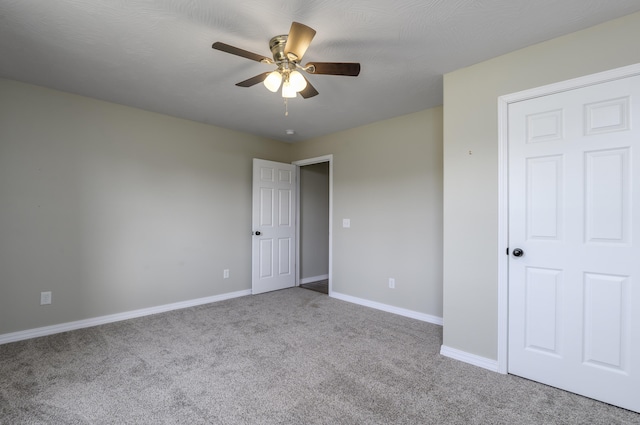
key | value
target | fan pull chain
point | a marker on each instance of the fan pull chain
(286, 107)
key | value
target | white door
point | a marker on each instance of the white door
(274, 227)
(574, 211)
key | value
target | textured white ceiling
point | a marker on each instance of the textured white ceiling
(157, 55)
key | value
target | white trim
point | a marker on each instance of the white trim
(313, 279)
(503, 236)
(472, 359)
(388, 308)
(102, 320)
(330, 279)
(311, 161)
(297, 241)
(503, 182)
(301, 163)
(575, 83)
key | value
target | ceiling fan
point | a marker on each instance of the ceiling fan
(287, 51)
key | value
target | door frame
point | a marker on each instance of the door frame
(302, 163)
(503, 185)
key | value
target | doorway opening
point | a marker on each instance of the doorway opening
(314, 224)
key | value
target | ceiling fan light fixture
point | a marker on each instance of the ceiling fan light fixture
(288, 91)
(287, 51)
(297, 81)
(273, 81)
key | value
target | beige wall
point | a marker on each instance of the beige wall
(388, 180)
(115, 209)
(314, 220)
(471, 181)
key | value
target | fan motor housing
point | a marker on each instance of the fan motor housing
(277, 44)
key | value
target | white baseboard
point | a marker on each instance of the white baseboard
(388, 308)
(473, 359)
(95, 321)
(314, 279)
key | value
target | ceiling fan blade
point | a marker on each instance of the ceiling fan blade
(298, 41)
(308, 91)
(240, 52)
(253, 80)
(351, 69)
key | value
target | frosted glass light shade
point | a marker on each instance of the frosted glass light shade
(297, 81)
(273, 80)
(287, 90)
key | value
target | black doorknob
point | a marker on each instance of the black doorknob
(257, 233)
(518, 252)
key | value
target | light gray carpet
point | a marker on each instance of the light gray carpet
(286, 357)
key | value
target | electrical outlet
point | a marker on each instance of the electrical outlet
(225, 274)
(392, 283)
(45, 298)
(346, 223)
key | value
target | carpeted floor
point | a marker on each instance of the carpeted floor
(287, 357)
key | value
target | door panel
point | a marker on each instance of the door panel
(574, 197)
(274, 215)
(542, 305)
(544, 193)
(607, 182)
(605, 307)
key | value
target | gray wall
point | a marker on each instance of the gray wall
(115, 209)
(471, 181)
(314, 220)
(387, 178)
